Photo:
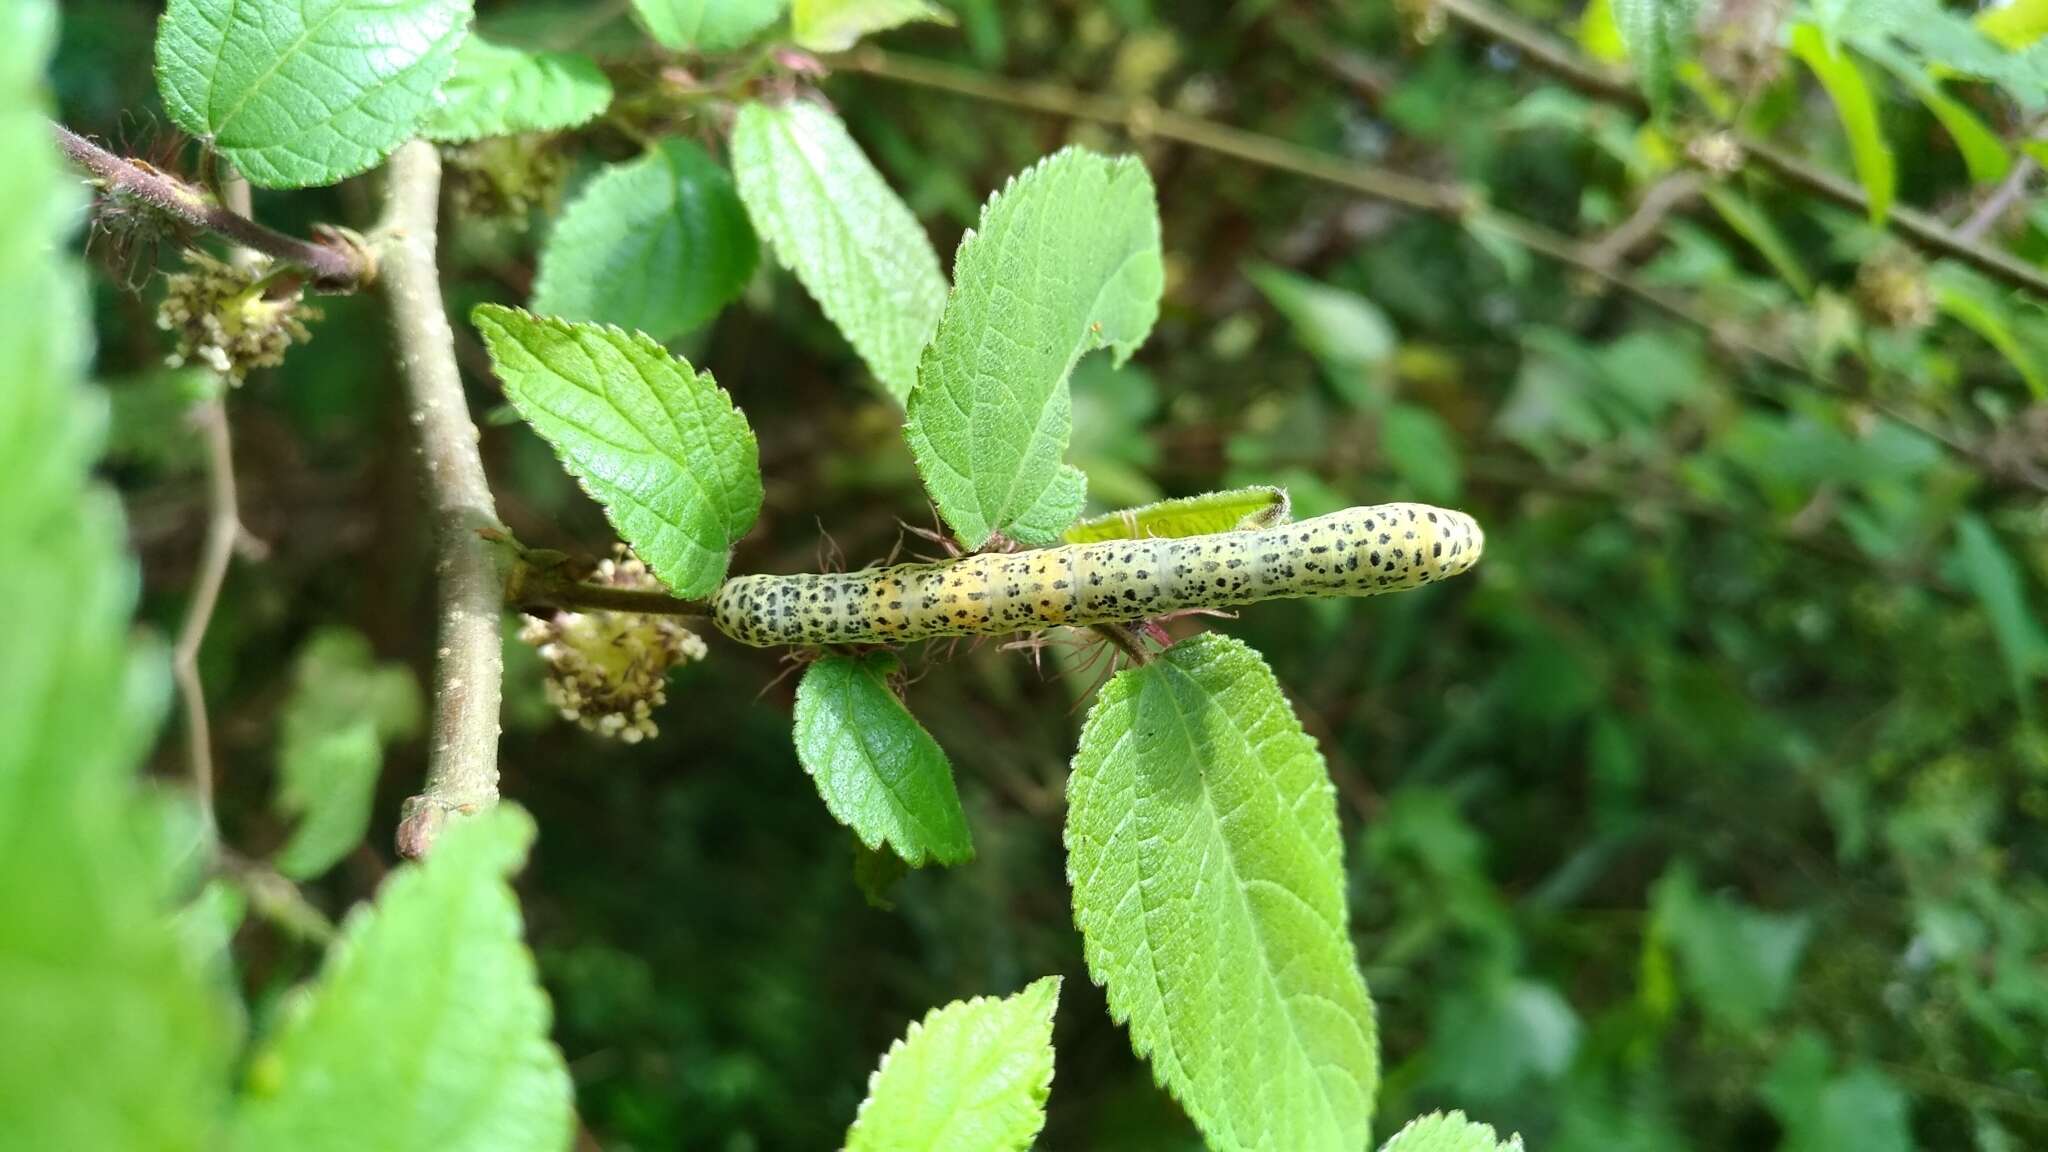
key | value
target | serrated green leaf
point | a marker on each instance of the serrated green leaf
(1856, 108)
(1258, 506)
(880, 773)
(1749, 222)
(707, 25)
(1348, 333)
(1066, 260)
(654, 441)
(833, 221)
(1979, 305)
(658, 244)
(1737, 962)
(308, 93)
(427, 1028)
(1983, 566)
(836, 25)
(343, 709)
(116, 1040)
(1449, 1132)
(1657, 35)
(499, 91)
(972, 1076)
(1208, 885)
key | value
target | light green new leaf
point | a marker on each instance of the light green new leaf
(707, 25)
(115, 1040)
(2015, 25)
(1856, 108)
(1983, 566)
(1348, 333)
(851, 241)
(343, 709)
(427, 1029)
(1979, 305)
(836, 25)
(1737, 962)
(1258, 506)
(1208, 885)
(879, 771)
(970, 1077)
(658, 244)
(1066, 260)
(310, 92)
(656, 442)
(1449, 1132)
(1754, 225)
(1656, 34)
(499, 91)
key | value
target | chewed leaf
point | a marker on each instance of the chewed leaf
(1066, 260)
(656, 442)
(879, 771)
(1208, 884)
(972, 1076)
(497, 91)
(1258, 506)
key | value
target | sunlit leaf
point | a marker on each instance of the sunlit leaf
(1238, 508)
(972, 1076)
(498, 91)
(836, 25)
(1441, 1132)
(1856, 108)
(879, 771)
(2015, 24)
(707, 25)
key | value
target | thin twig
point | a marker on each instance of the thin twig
(462, 760)
(2002, 200)
(336, 267)
(223, 529)
(1551, 55)
(1652, 210)
(1437, 199)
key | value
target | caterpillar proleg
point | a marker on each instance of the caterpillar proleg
(1356, 552)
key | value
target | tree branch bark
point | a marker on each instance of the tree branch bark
(336, 267)
(462, 763)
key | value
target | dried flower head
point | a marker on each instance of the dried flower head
(608, 670)
(224, 317)
(1892, 289)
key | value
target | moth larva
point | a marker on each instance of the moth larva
(1356, 552)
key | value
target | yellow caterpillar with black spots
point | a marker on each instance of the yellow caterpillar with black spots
(1356, 552)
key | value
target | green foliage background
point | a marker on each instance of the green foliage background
(1708, 814)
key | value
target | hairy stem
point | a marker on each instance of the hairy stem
(332, 267)
(462, 759)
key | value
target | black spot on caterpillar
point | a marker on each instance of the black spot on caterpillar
(996, 594)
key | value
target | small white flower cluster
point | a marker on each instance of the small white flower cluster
(222, 318)
(608, 670)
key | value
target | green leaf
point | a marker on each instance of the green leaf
(1348, 333)
(427, 1028)
(1861, 1110)
(1442, 1132)
(307, 93)
(1656, 34)
(970, 1077)
(1422, 450)
(659, 244)
(707, 25)
(1737, 962)
(1856, 108)
(1983, 566)
(1977, 304)
(343, 709)
(879, 771)
(1258, 506)
(849, 239)
(1066, 260)
(2015, 25)
(1208, 885)
(836, 25)
(1752, 224)
(499, 91)
(1490, 1040)
(656, 442)
(116, 1040)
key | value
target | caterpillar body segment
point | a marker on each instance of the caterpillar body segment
(1356, 552)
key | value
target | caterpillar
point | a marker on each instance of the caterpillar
(1356, 552)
